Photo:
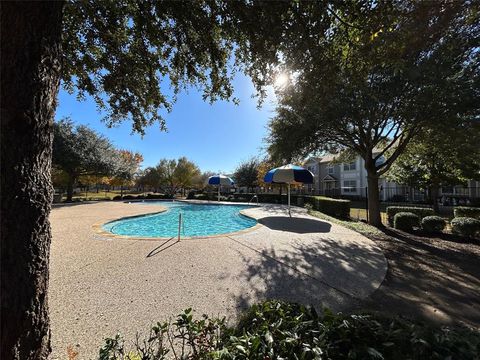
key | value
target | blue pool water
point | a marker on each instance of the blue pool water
(199, 220)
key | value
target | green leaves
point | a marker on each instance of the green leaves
(246, 173)
(170, 175)
(134, 57)
(279, 330)
(78, 150)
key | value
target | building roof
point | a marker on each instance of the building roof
(327, 158)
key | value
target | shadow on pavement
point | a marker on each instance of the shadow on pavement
(162, 247)
(329, 273)
(295, 225)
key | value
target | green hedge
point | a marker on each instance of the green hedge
(335, 207)
(465, 226)
(279, 330)
(465, 211)
(406, 221)
(142, 196)
(433, 224)
(421, 212)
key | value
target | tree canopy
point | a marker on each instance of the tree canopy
(380, 73)
(80, 151)
(246, 173)
(170, 175)
(128, 167)
(440, 155)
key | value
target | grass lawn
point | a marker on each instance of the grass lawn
(100, 195)
(358, 226)
(361, 214)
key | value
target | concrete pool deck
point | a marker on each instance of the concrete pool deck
(103, 285)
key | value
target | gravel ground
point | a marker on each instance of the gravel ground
(101, 285)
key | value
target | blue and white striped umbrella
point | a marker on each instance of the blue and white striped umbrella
(288, 174)
(219, 180)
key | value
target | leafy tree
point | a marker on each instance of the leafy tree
(122, 54)
(128, 166)
(149, 178)
(185, 173)
(80, 151)
(175, 175)
(246, 173)
(379, 73)
(440, 155)
(200, 181)
(170, 175)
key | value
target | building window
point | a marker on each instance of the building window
(447, 189)
(330, 169)
(350, 167)
(350, 186)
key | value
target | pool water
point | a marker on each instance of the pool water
(198, 220)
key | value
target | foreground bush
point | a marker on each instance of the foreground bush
(275, 330)
(465, 211)
(406, 221)
(433, 224)
(421, 212)
(465, 226)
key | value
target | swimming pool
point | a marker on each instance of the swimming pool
(198, 220)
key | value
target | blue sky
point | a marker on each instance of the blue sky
(216, 137)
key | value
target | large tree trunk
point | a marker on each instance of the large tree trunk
(373, 196)
(30, 73)
(434, 191)
(70, 184)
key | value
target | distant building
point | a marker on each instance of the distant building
(336, 179)
(332, 178)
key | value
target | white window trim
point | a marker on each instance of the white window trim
(349, 165)
(348, 188)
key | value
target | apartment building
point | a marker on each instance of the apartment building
(332, 178)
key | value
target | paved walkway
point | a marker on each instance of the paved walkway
(101, 285)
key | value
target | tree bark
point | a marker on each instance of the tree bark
(373, 195)
(70, 185)
(30, 76)
(434, 191)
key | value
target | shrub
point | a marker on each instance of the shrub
(191, 195)
(465, 226)
(284, 330)
(160, 196)
(465, 211)
(406, 221)
(420, 211)
(201, 197)
(433, 224)
(397, 198)
(335, 207)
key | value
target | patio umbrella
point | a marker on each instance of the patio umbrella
(288, 174)
(219, 180)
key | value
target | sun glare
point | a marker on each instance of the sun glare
(281, 80)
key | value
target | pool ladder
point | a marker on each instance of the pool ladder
(253, 197)
(181, 225)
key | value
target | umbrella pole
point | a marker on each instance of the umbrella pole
(289, 213)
